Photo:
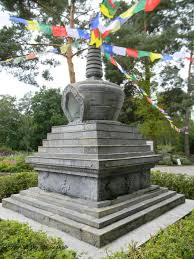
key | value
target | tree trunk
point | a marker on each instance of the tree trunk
(188, 114)
(69, 51)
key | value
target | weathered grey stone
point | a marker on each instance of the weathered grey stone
(94, 173)
(101, 225)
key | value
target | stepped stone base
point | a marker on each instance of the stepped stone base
(94, 160)
(97, 223)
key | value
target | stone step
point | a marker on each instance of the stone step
(94, 134)
(89, 220)
(94, 149)
(98, 125)
(92, 163)
(91, 235)
(84, 206)
(92, 141)
(92, 156)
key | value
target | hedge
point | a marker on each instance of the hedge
(14, 164)
(16, 182)
(174, 242)
(180, 183)
(19, 241)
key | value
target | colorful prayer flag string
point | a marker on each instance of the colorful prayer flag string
(149, 100)
(115, 25)
(96, 37)
(128, 52)
(55, 30)
(33, 55)
(109, 8)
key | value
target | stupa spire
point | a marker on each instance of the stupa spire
(94, 63)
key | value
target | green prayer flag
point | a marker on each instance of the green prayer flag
(46, 29)
(142, 54)
(140, 6)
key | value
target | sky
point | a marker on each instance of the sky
(12, 86)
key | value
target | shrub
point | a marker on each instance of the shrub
(5, 151)
(19, 241)
(176, 182)
(14, 164)
(15, 183)
(174, 242)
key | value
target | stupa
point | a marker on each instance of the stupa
(94, 173)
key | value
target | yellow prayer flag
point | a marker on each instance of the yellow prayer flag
(33, 26)
(95, 40)
(104, 10)
(128, 13)
(8, 60)
(154, 56)
(128, 77)
(64, 48)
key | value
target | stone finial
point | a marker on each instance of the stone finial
(94, 63)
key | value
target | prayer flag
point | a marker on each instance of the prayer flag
(142, 53)
(96, 37)
(8, 60)
(73, 33)
(46, 29)
(107, 48)
(127, 14)
(109, 8)
(119, 51)
(31, 56)
(167, 57)
(59, 31)
(64, 48)
(151, 5)
(154, 56)
(132, 53)
(18, 20)
(33, 25)
(140, 6)
(83, 34)
(95, 22)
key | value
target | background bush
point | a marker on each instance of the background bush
(176, 182)
(174, 242)
(14, 163)
(15, 183)
(18, 241)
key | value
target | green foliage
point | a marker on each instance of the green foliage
(16, 182)
(174, 242)
(177, 182)
(14, 164)
(46, 112)
(20, 241)
(5, 151)
(24, 124)
(9, 120)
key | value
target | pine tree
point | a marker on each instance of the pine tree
(14, 40)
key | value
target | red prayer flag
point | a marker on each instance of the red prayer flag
(149, 100)
(151, 5)
(105, 34)
(31, 56)
(113, 61)
(96, 33)
(132, 53)
(59, 31)
(190, 59)
(112, 4)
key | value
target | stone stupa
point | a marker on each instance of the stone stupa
(94, 173)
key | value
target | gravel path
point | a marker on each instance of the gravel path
(176, 169)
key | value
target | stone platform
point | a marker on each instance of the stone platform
(94, 160)
(97, 223)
